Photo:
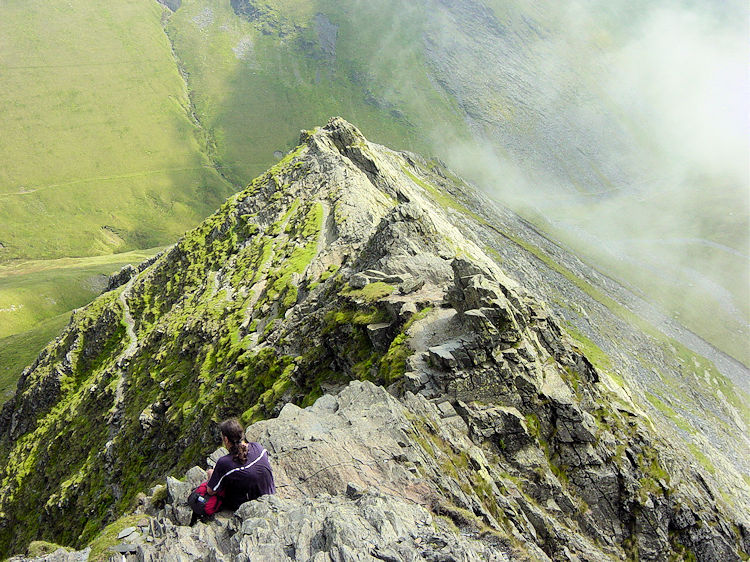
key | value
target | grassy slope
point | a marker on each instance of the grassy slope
(712, 301)
(255, 91)
(36, 298)
(99, 155)
(19, 351)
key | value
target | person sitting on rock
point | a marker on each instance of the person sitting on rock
(242, 475)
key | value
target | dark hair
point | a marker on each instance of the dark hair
(232, 430)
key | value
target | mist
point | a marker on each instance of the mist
(630, 137)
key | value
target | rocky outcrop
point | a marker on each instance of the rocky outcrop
(173, 5)
(482, 430)
(364, 475)
(127, 272)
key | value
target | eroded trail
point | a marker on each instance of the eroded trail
(129, 322)
(122, 361)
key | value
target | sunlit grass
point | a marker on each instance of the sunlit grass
(37, 297)
(99, 154)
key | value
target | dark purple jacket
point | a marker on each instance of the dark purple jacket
(243, 482)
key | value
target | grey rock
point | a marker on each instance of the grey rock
(354, 491)
(407, 310)
(410, 286)
(215, 456)
(59, 555)
(358, 281)
(182, 514)
(442, 356)
(446, 409)
(121, 277)
(125, 532)
(327, 527)
(124, 548)
(195, 476)
(415, 381)
(178, 491)
(380, 335)
(326, 402)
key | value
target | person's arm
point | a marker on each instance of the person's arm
(214, 476)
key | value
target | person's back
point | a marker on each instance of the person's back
(242, 481)
(244, 474)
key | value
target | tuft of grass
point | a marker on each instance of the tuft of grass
(393, 363)
(370, 292)
(108, 537)
(665, 409)
(43, 548)
(595, 354)
(702, 459)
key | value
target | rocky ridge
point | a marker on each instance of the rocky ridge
(367, 476)
(339, 264)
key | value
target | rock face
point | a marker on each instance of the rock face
(364, 475)
(481, 431)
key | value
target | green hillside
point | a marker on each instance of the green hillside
(99, 152)
(36, 297)
(256, 81)
(99, 156)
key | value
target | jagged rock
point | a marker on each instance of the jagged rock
(353, 491)
(125, 532)
(446, 409)
(178, 491)
(410, 286)
(215, 456)
(359, 280)
(505, 426)
(124, 548)
(449, 355)
(121, 277)
(195, 476)
(380, 335)
(128, 271)
(407, 310)
(367, 527)
(415, 381)
(357, 498)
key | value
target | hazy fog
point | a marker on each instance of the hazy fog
(644, 109)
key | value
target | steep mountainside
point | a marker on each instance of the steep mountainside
(583, 114)
(350, 262)
(127, 144)
(99, 150)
